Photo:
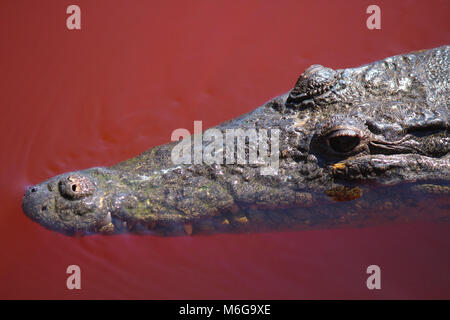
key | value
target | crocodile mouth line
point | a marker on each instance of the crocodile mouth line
(368, 167)
(238, 219)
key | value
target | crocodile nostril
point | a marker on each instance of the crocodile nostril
(33, 189)
(76, 187)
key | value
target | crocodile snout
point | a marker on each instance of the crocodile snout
(35, 203)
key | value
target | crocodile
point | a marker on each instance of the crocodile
(354, 147)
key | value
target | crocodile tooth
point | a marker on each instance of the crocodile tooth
(188, 228)
(107, 220)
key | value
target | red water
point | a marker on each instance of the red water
(137, 71)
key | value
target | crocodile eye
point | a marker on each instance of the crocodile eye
(76, 187)
(343, 141)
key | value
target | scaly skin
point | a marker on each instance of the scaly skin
(356, 145)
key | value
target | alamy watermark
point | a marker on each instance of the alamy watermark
(374, 20)
(73, 22)
(257, 147)
(374, 280)
(74, 280)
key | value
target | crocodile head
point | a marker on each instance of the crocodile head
(347, 145)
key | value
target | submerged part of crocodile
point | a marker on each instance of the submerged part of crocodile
(355, 146)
